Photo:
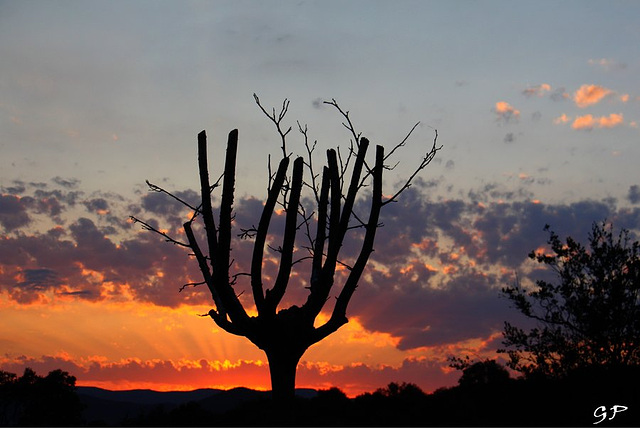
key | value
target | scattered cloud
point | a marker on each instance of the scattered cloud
(434, 278)
(588, 121)
(506, 112)
(538, 90)
(70, 183)
(13, 212)
(607, 64)
(563, 118)
(559, 94)
(509, 138)
(588, 95)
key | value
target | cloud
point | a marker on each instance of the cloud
(162, 204)
(506, 112)
(607, 64)
(445, 261)
(588, 122)
(96, 255)
(538, 90)
(97, 205)
(634, 194)
(563, 118)
(34, 280)
(71, 183)
(433, 279)
(13, 212)
(559, 94)
(509, 138)
(588, 95)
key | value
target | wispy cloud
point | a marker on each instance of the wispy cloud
(559, 94)
(537, 90)
(607, 64)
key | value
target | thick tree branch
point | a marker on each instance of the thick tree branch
(204, 269)
(221, 255)
(321, 229)
(261, 235)
(291, 226)
(205, 193)
(339, 314)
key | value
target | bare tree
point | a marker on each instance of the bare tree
(285, 334)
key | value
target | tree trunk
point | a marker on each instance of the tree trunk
(282, 367)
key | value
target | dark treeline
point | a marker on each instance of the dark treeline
(574, 401)
(485, 396)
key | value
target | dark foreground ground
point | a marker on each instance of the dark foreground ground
(612, 399)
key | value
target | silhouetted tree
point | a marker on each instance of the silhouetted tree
(32, 400)
(487, 372)
(590, 317)
(285, 334)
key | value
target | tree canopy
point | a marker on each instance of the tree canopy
(589, 317)
(32, 400)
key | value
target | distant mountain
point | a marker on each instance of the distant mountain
(148, 396)
(113, 407)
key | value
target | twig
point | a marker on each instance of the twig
(147, 226)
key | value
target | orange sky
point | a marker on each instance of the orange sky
(94, 295)
(123, 345)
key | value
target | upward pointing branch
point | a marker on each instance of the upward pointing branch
(222, 255)
(286, 260)
(205, 192)
(261, 234)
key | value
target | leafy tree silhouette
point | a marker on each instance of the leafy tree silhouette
(487, 372)
(590, 317)
(32, 400)
(285, 334)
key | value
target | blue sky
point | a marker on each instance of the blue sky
(537, 106)
(90, 89)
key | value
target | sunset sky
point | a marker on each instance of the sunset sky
(536, 104)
